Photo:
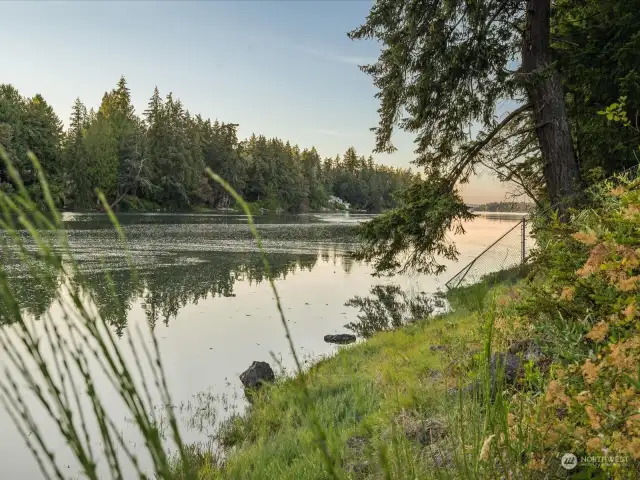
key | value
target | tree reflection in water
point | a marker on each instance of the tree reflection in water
(163, 290)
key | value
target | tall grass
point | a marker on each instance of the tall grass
(64, 368)
(483, 444)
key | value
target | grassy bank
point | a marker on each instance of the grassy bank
(360, 393)
(381, 403)
(520, 373)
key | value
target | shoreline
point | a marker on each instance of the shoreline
(361, 393)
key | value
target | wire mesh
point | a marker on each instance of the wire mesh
(509, 251)
(512, 248)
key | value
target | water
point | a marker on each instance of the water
(203, 287)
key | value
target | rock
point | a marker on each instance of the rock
(257, 374)
(529, 349)
(510, 363)
(438, 348)
(340, 339)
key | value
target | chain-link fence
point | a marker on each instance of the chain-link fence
(511, 249)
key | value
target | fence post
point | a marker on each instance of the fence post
(524, 238)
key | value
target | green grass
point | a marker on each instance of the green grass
(367, 397)
(471, 297)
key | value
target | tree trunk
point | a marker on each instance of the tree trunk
(544, 88)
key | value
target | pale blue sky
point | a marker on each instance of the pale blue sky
(279, 68)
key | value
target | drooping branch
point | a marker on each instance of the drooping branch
(517, 133)
(514, 176)
(477, 147)
(414, 236)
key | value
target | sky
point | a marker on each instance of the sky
(279, 68)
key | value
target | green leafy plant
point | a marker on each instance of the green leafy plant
(617, 112)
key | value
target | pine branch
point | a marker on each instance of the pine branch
(480, 144)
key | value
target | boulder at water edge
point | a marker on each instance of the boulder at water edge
(257, 374)
(340, 339)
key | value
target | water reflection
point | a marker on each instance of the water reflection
(186, 258)
(166, 289)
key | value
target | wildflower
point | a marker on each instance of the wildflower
(598, 332)
(619, 358)
(585, 238)
(594, 445)
(631, 212)
(568, 293)
(589, 372)
(633, 423)
(551, 438)
(583, 397)
(628, 284)
(596, 258)
(555, 393)
(633, 447)
(630, 257)
(631, 311)
(618, 191)
(594, 419)
(484, 452)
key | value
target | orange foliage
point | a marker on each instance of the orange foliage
(598, 332)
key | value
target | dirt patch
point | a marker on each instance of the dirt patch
(355, 461)
(421, 430)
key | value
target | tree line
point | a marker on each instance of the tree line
(158, 160)
(519, 207)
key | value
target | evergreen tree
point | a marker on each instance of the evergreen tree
(43, 136)
(445, 66)
(116, 108)
(30, 124)
(102, 153)
(76, 165)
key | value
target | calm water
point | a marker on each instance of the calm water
(203, 288)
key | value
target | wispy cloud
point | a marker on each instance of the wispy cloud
(347, 59)
(279, 42)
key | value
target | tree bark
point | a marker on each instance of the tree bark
(545, 92)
